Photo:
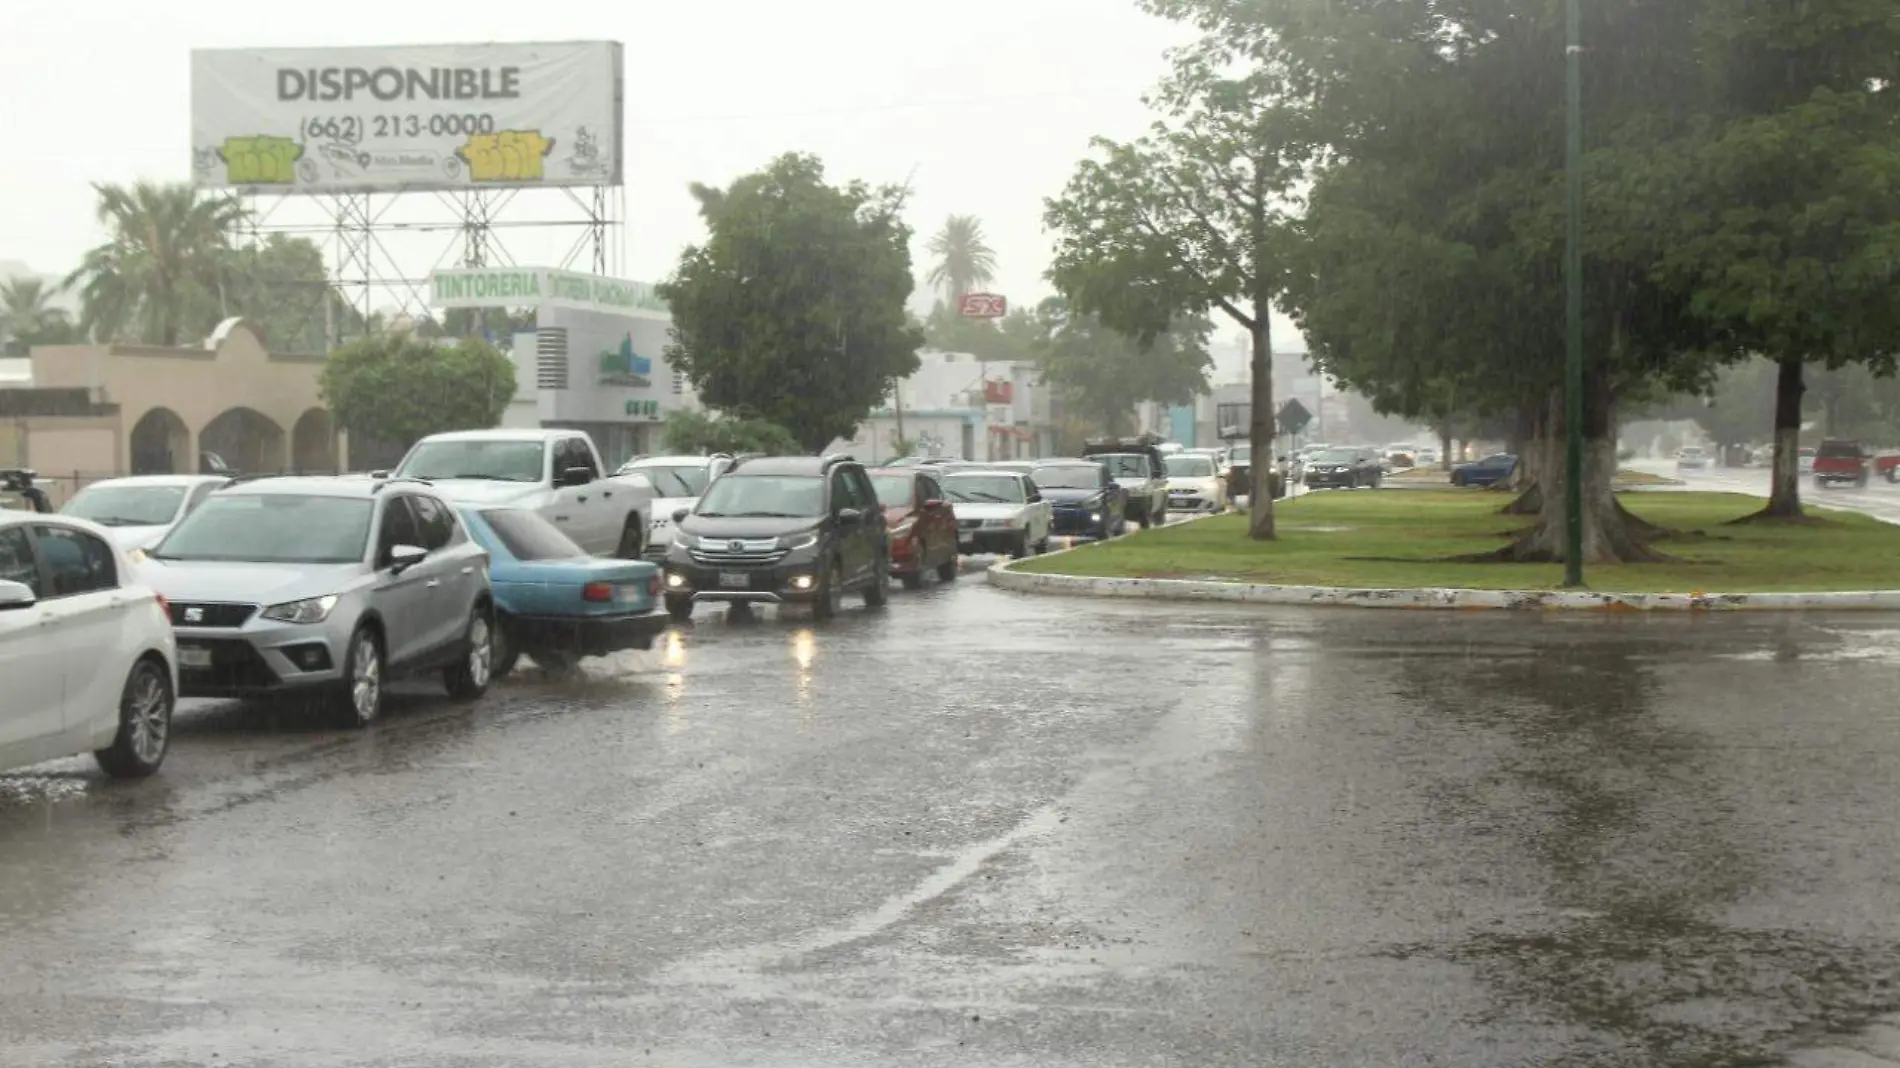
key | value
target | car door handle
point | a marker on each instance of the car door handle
(603, 493)
(47, 618)
(560, 519)
(582, 498)
(433, 583)
(469, 570)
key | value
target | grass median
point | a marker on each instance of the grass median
(1399, 540)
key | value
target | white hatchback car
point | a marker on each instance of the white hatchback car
(87, 655)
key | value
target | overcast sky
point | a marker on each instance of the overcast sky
(988, 102)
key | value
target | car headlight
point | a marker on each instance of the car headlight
(308, 610)
(800, 541)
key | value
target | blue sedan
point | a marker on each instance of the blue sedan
(556, 603)
(1491, 469)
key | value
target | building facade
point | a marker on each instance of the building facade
(596, 360)
(80, 413)
(960, 407)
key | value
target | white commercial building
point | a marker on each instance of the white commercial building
(596, 360)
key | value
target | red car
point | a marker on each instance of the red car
(923, 528)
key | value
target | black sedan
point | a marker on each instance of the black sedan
(1084, 499)
(1344, 469)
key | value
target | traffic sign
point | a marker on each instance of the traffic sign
(1293, 417)
(982, 306)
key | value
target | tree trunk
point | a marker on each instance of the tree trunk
(1444, 447)
(1784, 495)
(1260, 432)
(1535, 456)
(1608, 536)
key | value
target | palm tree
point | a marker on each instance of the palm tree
(27, 316)
(964, 262)
(156, 278)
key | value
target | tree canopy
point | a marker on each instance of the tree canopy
(28, 317)
(964, 260)
(1102, 374)
(792, 310)
(697, 433)
(159, 276)
(1192, 219)
(398, 388)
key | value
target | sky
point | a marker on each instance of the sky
(984, 106)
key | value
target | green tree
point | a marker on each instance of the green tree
(158, 277)
(28, 317)
(964, 261)
(698, 433)
(281, 287)
(792, 311)
(1103, 373)
(1013, 337)
(398, 388)
(1780, 204)
(1190, 220)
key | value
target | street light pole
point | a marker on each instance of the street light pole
(1573, 293)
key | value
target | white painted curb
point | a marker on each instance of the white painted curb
(1003, 576)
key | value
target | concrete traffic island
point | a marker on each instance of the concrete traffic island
(1350, 550)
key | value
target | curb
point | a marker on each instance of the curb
(1002, 576)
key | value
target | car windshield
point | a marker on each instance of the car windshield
(127, 506)
(984, 489)
(765, 496)
(1124, 465)
(673, 480)
(1834, 450)
(1336, 456)
(274, 528)
(527, 536)
(499, 461)
(1190, 467)
(1069, 476)
(893, 491)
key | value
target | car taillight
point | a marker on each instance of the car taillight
(597, 591)
(653, 584)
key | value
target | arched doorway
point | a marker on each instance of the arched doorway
(313, 444)
(247, 439)
(161, 444)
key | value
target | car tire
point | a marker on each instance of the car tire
(1819, 482)
(507, 652)
(468, 678)
(830, 595)
(360, 701)
(633, 538)
(1893, 473)
(914, 580)
(878, 593)
(145, 722)
(679, 607)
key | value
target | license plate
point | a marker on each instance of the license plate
(734, 580)
(194, 656)
(628, 593)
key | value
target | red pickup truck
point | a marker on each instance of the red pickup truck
(1844, 461)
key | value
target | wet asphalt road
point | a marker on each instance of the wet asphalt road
(981, 828)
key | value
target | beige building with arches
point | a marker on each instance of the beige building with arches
(95, 411)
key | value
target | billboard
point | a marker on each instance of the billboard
(416, 117)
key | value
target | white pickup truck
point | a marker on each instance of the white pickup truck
(557, 473)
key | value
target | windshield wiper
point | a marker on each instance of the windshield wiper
(483, 477)
(984, 498)
(767, 515)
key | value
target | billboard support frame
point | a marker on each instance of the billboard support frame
(352, 238)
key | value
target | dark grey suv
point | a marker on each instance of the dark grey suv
(782, 530)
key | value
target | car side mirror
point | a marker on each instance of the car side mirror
(404, 557)
(680, 514)
(15, 596)
(850, 515)
(576, 476)
(380, 475)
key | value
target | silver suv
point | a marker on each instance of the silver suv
(325, 585)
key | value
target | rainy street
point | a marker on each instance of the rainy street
(980, 828)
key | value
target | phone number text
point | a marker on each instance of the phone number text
(352, 129)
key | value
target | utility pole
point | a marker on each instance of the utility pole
(1573, 293)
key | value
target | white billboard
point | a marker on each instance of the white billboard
(333, 120)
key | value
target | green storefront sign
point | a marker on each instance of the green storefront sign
(514, 287)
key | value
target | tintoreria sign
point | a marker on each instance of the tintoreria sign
(331, 120)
